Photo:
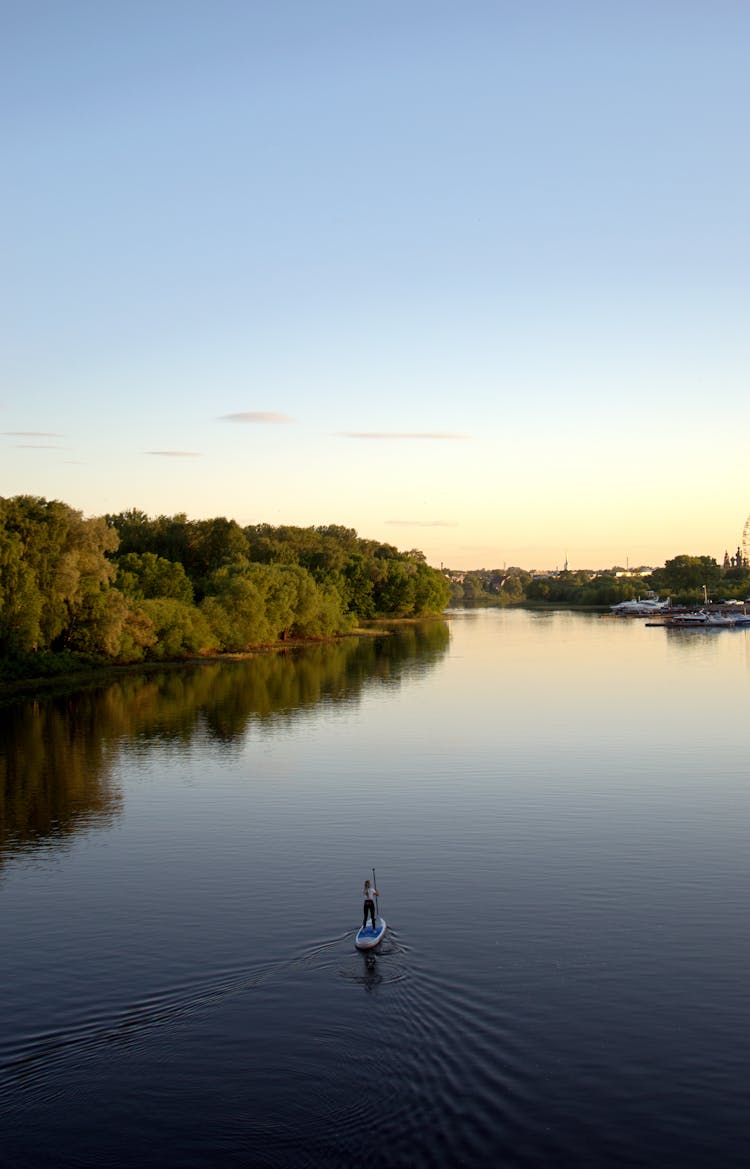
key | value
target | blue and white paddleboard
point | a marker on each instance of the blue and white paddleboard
(369, 937)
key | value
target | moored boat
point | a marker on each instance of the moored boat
(702, 619)
(647, 606)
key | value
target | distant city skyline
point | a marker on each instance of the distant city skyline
(470, 279)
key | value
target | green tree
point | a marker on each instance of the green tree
(21, 602)
(65, 556)
(395, 593)
(98, 623)
(357, 586)
(43, 528)
(686, 575)
(279, 587)
(431, 591)
(145, 575)
(538, 589)
(266, 545)
(317, 608)
(472, 586)
(134, 529)
(512, 589)
(211, 545)
(138, 636)
(180, 629)
(235, 608)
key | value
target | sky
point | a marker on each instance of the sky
(467, 277)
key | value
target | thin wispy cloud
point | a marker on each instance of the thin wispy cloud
(37, 446)
(262, 417)
(422, 523)
(32, 434)
(405, 434)
(177, 454)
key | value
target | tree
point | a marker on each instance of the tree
(98, 624)
(431, 591)
(686, 574)
(395, 593)
(357, 586)
(180, 629)
(212, 544)
(21, 601)
(124, 585)
(134, 530)
(235, 608)
(87, 575)
(65, 563)
(138, 636)
(317, 608)
(146, 575)
(472, 586)
(512, 589)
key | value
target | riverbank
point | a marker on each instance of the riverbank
(85, 673)
(90, 674)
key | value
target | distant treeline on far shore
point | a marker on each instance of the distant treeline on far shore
(686, 579)
(128, 588)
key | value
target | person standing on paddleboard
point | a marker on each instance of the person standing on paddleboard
(370, 893)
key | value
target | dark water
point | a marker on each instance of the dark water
(557, 808)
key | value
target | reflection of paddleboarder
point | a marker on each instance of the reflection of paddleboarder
(369, 908)
(372, 977)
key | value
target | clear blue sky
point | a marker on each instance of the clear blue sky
(471, 278)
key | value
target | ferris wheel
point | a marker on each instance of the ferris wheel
(746, 541)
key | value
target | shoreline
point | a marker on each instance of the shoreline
(99, 674)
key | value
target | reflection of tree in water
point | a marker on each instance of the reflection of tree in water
(282, 685)
(55, 770)
(412, 649)
(57, 755)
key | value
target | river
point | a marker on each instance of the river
(557, 809)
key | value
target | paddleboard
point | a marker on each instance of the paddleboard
(369, 937)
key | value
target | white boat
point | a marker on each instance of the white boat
(645, 607)
(702, 619)
(737, 610)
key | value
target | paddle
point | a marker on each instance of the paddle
(375, 887)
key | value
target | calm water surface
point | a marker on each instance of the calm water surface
(557, 808)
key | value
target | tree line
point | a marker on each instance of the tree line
(128, 587)
(683, 578)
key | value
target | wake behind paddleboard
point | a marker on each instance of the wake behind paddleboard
(369, 937)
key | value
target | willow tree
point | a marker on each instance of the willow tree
(54, 571)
